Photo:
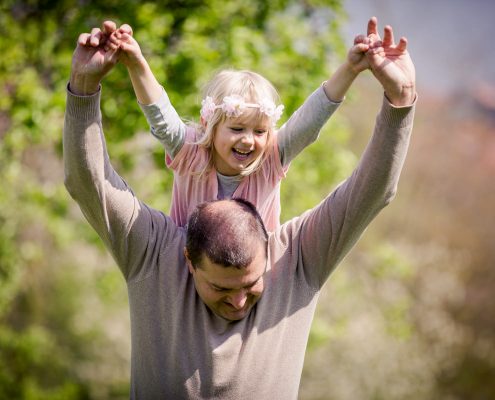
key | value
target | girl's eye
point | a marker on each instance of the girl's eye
(260, 132)
(236, 129)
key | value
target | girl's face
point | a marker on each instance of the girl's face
(238, 142)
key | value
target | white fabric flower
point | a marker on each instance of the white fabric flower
(278, 113)
(267, 106)
(269, 109)
(233, 106)
(208, 107)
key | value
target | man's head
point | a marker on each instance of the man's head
(226, 252)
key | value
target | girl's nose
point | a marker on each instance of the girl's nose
(248, 137)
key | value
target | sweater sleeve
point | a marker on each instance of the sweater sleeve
(165, 124)
(325, 234)
(303, 127)
(105, 199)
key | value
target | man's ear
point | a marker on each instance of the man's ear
(188, 261)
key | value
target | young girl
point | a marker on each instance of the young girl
(236, 151)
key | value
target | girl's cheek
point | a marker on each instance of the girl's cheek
(263, 143)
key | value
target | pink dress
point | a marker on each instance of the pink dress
(262, 188)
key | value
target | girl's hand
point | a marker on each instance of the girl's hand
(356, 57)
(130, 53)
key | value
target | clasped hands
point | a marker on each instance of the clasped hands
(97, 53)
(389, 62)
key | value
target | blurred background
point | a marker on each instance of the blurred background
(410, 312)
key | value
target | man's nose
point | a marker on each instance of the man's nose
(238, 300)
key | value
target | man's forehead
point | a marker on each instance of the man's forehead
(233, 284)
(222, 276)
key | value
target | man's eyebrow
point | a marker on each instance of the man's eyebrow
(244, 287)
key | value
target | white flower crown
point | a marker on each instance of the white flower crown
(233, 107)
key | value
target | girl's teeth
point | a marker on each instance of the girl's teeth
(241, 155)
(242, 152)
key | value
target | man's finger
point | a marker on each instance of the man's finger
(372, 24)
(109, 27)
(402, 46)
(95, 37)
(388, 36)
(126, 28)
(83, 39)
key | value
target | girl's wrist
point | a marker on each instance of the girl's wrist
(351, 70)
(135, 64)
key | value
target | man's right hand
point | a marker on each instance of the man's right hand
(392, 65)
(92, 60)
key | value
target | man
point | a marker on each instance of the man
(223, 311)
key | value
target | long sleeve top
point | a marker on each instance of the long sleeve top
(262, 188)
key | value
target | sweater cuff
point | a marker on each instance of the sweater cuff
(394, 116)
(155, 112)
(324, 98)
(84, 108)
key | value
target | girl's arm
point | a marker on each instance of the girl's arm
(145, 85)
(162, 117)
(339, 83)
(304, 126)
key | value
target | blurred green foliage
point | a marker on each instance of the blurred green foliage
(60, 295)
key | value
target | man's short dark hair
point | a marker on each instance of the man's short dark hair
(225, 231)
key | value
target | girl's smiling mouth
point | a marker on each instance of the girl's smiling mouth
(241, 154)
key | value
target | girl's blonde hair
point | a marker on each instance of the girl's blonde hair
(253, 88)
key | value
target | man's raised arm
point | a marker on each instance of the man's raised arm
(109, 205)
(327, 233)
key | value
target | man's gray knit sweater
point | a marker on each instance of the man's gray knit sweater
(180, 349)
